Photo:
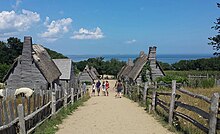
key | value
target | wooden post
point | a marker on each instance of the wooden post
(138, 92)
(145, 92)
(149, 108)
(72, 95)
(5, 112)
(11, 111)
(77, 95)
(1, 121)
(53, 102)
(154, 99)
(172, 102)
(213, 113)
(22, 129)
(65, 97)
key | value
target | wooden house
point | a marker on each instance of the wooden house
(88, 75)
(67, 73)
(132, 71)
(123, 74)
(33, 69)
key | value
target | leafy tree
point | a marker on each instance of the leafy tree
(111, 67)
(215, 41)
(55, 55)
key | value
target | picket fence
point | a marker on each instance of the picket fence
(23, 115)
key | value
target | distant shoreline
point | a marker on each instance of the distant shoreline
(166, 58)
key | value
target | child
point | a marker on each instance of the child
(93, 89)
(104, 88)
(107, 87)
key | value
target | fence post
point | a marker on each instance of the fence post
(22, 129)
(145, 92)
(72, 95)
(77, 95)
(53, 102)
(154, 99)
(213, 113)
(172, 102)
(65, 97)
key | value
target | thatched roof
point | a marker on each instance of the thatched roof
(44, 63)
(85, 76)
(95, 71)
(120, 72)
(125, 70)
(65, 67)
(138, 65)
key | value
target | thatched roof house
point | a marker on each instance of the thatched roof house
(132, 71)
(138, 65)
(66, 68)
(95, 71)
(33, 69)
(88, 75)
(125, 70)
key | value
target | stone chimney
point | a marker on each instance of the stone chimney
(141, 54)
(152, 53)
(27, 48)
(130, 62)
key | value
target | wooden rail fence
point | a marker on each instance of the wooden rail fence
(170, 108)
(22, 115)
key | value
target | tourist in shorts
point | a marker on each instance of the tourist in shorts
(104, 88)
(119, 88)
(107, 87)
(98, 84)
(93, 89)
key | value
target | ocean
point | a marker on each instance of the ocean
(166, 58)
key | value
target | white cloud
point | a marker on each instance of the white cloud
(56, 28)
(131, 41)
(11, 22)
(17, 3)
(83, 34)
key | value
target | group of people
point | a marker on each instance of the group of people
(98, 86)
(104, 86)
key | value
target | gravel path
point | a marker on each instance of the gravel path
(110, 115)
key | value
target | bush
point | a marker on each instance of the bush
(168, 79)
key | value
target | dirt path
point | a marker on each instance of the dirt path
(110, 115)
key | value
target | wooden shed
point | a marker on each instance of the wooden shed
(33, 69)
(67, 73)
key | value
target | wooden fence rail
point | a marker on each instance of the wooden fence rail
(23, 115)
(213, 103)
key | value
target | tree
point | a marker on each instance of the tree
(215, 41)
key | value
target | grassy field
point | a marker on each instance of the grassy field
(194, 72)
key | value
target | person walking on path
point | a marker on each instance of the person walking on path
(104, 88)
(98, 84)
(119, 87)
(84, 87)
(93, 89)
(107, 87)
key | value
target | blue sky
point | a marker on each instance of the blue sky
(112, 26)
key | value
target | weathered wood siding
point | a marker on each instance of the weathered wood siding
(26, 74)
(84, 76)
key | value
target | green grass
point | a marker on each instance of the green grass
(51, 126)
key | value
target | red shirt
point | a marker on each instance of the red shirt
(107, 85)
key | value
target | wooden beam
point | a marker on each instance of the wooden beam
(202, 97)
